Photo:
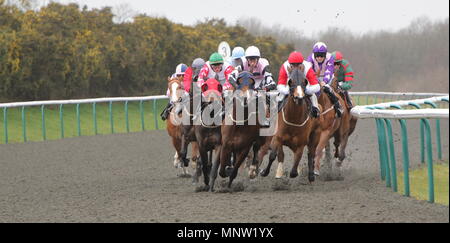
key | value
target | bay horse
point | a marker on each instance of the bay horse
(296, 128)
(188, 109)
(173, 124)
(208, 136)
(329, 124)
(348, 125)
(239, 137)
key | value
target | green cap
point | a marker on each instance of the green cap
(215, 58)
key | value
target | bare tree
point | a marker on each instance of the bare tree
(123, 13)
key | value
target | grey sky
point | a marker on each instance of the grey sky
(307, 16)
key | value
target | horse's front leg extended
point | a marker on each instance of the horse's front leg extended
(274, 146)
(183, 152)
(215, 166)
(240, 156)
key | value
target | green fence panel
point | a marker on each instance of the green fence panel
(393, 165)
(24, 125)
(44, 135)
(430, 162)
(61, 119)
(5, 123)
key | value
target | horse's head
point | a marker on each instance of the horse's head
(175, 89)
(297, 82)
(212, 90)
(245, 84)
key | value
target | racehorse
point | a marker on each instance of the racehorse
(296, 128)
(348, 125)
(208, 136)
(174, 128)
(239, 137)
(187, 132)
(329, 124)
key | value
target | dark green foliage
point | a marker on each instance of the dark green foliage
(64, 52)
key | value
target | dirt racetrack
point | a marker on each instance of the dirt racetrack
(131, 178)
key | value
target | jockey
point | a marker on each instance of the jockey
(259, 67)
(180, 71)
(344, 72)
(218, 69)
(323, 64)
(192, 73)
(295, 60)
(236, 56)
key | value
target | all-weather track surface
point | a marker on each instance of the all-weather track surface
(131, 178)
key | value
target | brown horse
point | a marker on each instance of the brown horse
(208, 135)
(329, 123)
(348, 125)
(173, 124)
(240, 136)
(296, 128)
(187, 132)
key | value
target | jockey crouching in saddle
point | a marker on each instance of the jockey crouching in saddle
(295, 61)
(187, 74)
(344, 72)
(236, 57)
(259, 68)
(218, 69)
(323, 65)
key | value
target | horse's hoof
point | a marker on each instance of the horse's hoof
(186, 162)
(311, 177)
(264, 173)
(316, 172)
(229, 170)
(206, 188)
(293, 174)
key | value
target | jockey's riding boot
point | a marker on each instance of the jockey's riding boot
(349, 100)
(315, 111)
(166, 111)
(337, 106)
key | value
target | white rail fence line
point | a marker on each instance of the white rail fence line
(387, 158)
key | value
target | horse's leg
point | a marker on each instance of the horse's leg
(176, 158)
(337, 142)
(342, 156)
(215, 165)
(297, 156)
(314, 138)
(200, 166)
(280, 169)
(353, 121)
(195, 154)
(323, 141)
(183, 151)
(256, 156)
(240, 156)
(225, 155)
(205, 169)
(274, 146)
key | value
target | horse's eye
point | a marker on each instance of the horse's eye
(219, 88)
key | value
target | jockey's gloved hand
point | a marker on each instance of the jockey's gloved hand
(327, 88)
(270, 86)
